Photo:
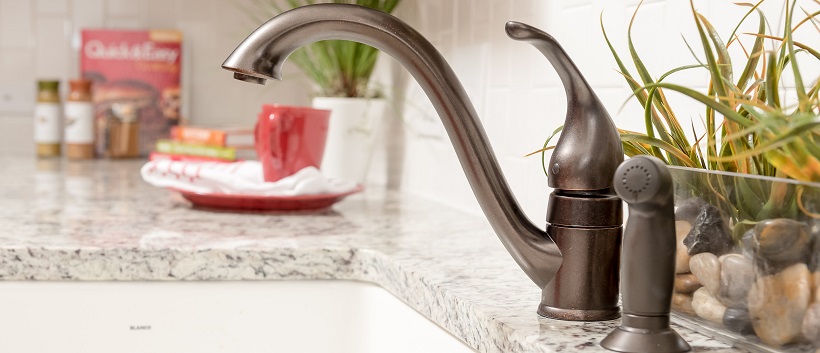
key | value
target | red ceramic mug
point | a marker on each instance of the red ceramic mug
(290, 138)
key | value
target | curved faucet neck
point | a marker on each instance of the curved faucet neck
(262, 54)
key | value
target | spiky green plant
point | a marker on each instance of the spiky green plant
(748, 129)
(339, 68)
(758, 135)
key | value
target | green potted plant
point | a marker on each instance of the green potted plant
(748, 189)
(748, 198)
(341, 74)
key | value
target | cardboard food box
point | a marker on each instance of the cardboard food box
(136, 72)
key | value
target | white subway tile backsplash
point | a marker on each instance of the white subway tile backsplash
(17, 136)
(126, 8)
(522, 118)
(522, 10)
(680, 29)
(571, 4)
(627, 116)
(481, 11)
(52, 6)
(497, 108)
(160, 14)
(463, 23)
(446, 17)
(16, 27)
(17, 98)
(524, 99)
(543, 15)
(16, 65)
(124, 23)
(534, 200)
(516, 92)
(88, 14)
(198, 9)
(546, 109)
(500, 63)
(648, 38)
(52, 49)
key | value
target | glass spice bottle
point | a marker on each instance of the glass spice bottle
(79, 121)
(47, 129)
(123, 131)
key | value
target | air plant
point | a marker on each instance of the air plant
(748, 129)
(339, 68)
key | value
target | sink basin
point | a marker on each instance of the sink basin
(204, 317)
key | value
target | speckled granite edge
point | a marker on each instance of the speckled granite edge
(430, 300)
(455, 314)
(97, 220)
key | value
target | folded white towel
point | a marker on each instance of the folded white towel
(238, 178)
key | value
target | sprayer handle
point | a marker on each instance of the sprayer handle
(647, 259)
(648, 255)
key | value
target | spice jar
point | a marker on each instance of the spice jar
(123, 131)
(79, 121)
(47, 130)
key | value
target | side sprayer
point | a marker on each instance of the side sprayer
(648, 265)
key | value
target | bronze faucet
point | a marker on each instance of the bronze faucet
(576, 261)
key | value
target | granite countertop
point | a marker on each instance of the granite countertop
(97, 220)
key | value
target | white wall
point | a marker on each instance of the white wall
(514, 89)
(40, 39)
(521, 99)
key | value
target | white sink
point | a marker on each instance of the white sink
(204, 317)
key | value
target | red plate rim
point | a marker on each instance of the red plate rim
(358, 188)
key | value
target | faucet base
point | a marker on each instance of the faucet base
(585, 288)
(645, 334)
(578, 315)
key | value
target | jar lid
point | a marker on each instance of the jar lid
(80, 85)
(48, 85)
(126, 112)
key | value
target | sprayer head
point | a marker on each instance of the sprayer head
(642, 179)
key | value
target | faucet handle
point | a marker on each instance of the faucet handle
(648, 259)
(589, 149)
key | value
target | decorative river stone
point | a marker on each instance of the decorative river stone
(736, 277)
(683, 303)
(686, 283)
(689, 209)
(709, 233)
(682, 228)
(814, 259)
(706, 267)
(811, 324)
(738, 320)
(782, 242)
(748, 245)
(707, 307)
(777, 304)
(816, 280)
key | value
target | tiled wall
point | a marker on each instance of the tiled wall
(40, 39)
(514, 89)
(520, 98)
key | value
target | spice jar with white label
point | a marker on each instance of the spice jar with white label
(79, 121)
(47, 127)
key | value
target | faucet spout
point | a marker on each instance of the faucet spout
(263, 53)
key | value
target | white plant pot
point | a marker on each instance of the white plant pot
(354, 126)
